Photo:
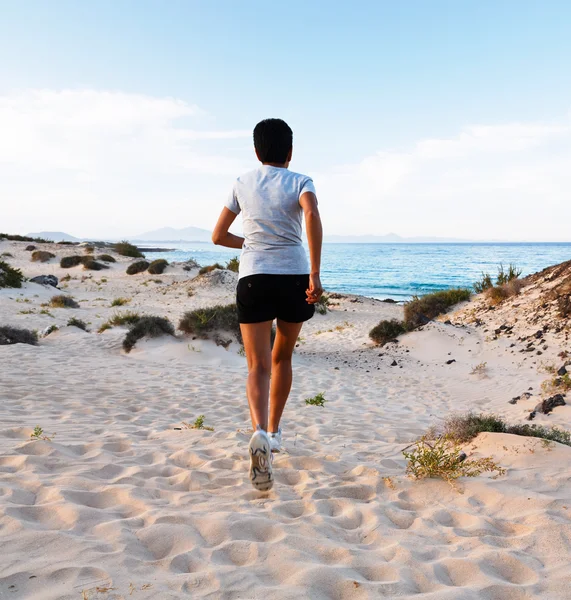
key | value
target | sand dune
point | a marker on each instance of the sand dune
(125, 502)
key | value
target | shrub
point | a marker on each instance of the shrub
(70, 261)
(89, 264)
(321, 306)
(89, 249)
(9, 276)
(216, 318)
(41, 256)
(190, 264)
(443, 458)
(23, 238)
(49, 330)
(16, 335)
(120, 301)
(317, 400)
(506, 276)
(63, 301)
(502, 292)
(106, 258)
(119, 319)
(563, 306)
(73, 322)
(137, 267)
(466, 427)
(422, 309)
(30, 248)
(158, 266)
(484, 284)
(125, 248)
(198, 424)
(233, 264)
(210, 268)
(147, 327)
(387, 331)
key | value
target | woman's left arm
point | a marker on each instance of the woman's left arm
(221, 236)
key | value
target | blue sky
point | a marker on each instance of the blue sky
(368, 87)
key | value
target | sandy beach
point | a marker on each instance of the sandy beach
(126, 501)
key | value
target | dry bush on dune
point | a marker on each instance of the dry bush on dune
(190, 264)
(106, 258)
(125, 248)
(233, 264)
(42, 256)
(9, 276)
(147, 327)
(120, 301)
(67, 262)
(62, 301)
(121, 319)
(30, 248)
(73, 322)
(157, 266)
(137, 267)
(210, 268)
(23, 238)
(387, 331)
(422, 309)
(216, 318)
(89, 249)
(89, 264)
(17, 335)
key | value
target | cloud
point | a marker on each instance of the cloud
(509, 181)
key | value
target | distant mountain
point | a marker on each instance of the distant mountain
(55, 236)
(389, 238)
(170, 234)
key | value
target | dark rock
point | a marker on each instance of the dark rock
(448, 322)
(502, 327)
(30, 248)
(394, 363)
(46, 280)
(389, 301)
(538, 334)
(531, 416)
(562, 371)
(546, 406)
(452, 360)
(513, 400)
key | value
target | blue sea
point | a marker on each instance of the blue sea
(399, 271)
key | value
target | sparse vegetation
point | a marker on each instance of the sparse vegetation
(210, 268)
(125, 248)
(422, 309)
(89, 249)
(443, 458)
(233, 264)
(317, 400)
(322, 305)
(42, 256)
(479, 369)
(506, 276)
(127, 318)
(67, 262)
(17, 335)
(23, 238)
(73, 322)
(90, 264)
(137, 267)
(49, 330)
(387, 331)
(9, 276)
(106, 258)
(158, 266)
(216, 318)
(38, 434)
(190, 264)
(557, 385)
(465, 427)
(120, 301)
(147, 327)
(198, 424)
(62, 301)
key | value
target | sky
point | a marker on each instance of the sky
(440, 118)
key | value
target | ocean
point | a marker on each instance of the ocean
(399, 271)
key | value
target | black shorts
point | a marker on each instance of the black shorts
(267, 297)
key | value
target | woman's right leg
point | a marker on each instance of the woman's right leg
(286, 338)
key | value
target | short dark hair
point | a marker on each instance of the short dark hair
(273, 140)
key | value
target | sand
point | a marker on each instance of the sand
(126, 502)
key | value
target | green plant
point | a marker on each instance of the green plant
(484, 284)
(62, 301)
(46, 312)
(9, 276)
(216, 318)
(120, 301)
(148, 326)
(558, 384)
(67, 262)
(387, 331)
(125, 248)
(137, 267)
(420, 310)
(443, 458)
(506, 276)
(17, 335)
(210, 268)
(317, 400)
(38, 434)
(50, 329)
(73, 322)
(120, 319)
(322, 305)
(106, 258)
(198, 424)
(158, 266)
(233, 264)
(66, 277)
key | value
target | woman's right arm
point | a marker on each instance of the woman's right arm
(314, 229)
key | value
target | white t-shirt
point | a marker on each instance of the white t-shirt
(268, 199)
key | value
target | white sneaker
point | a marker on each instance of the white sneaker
(276, 440)
(261, 474)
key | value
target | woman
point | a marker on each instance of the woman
(275, 280)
